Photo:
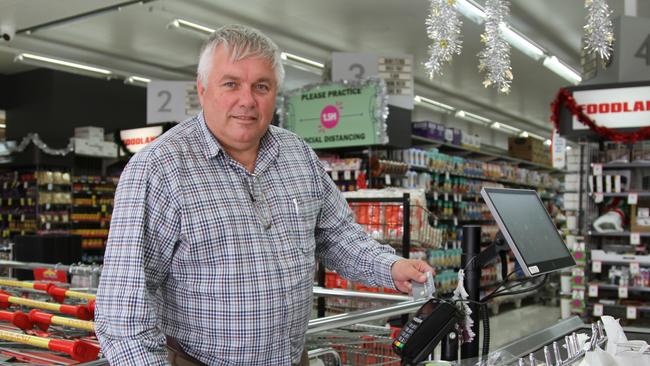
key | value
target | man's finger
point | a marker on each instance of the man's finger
(413, 273)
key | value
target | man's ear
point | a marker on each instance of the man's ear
(200, 89)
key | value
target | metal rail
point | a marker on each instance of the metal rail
(360, 316)
(326, 292)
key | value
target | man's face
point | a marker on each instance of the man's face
(238, 99)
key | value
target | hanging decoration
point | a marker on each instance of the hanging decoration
(564, 98)
(494, 59)
(599, 31)
(443, 29)
(36, 139)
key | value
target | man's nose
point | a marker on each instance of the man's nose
(246, 98)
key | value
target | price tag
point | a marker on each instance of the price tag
(335, 175)
(47, 226)
(50, 186)
(25, 185)
(596, 266)
(593, 290)
(455, 221)
(22, 201)
(435, 195)
(446, 197)
(47, 206)
(387, 179)
(635, 238)
(634, 268)
(599, 197)
(632, 198)
(622, 292)
(598, 169)
(598, 309)
(103, 208)
(347, 175)
(22, 218)
(631, 312)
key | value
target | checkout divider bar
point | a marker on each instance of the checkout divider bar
(327, 292)
(360, 316)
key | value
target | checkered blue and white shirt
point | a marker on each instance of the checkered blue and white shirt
(220, 259)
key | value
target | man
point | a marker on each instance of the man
(217, 224)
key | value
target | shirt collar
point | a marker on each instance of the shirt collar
(269, 145)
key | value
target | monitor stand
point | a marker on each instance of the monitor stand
(472, 254)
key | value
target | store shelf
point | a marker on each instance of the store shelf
(625, 165)
(623, 194)
(485, 154)
(602, 286)
(617, 234)
(613, 258)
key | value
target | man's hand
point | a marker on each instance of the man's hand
(406, 270)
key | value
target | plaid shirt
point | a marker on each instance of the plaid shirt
(191, 253)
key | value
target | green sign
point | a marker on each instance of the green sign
(337, 114)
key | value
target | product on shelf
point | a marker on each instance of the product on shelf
(384, 221)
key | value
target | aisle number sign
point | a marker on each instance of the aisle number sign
(337, 114)
(171, 101)
(395, 70)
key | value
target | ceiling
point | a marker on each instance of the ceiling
(137, 40)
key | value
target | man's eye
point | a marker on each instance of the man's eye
(263, 87)
(230, 84)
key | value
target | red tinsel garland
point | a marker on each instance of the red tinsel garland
(565, 98)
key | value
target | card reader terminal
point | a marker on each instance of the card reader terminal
(431, 323)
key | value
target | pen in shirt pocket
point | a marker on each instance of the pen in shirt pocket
(295, 204)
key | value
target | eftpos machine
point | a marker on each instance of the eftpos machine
(527, 229)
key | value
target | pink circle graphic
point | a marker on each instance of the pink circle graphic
(329, 116)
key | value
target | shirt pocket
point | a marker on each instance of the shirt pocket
(302, 216)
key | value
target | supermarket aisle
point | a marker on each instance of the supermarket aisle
(513, 323)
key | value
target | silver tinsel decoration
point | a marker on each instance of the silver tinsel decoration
(443, 28)
(599, 31)
(36, 139)
(494, 59)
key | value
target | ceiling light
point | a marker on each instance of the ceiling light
(187, 25)
(295, 58)
(477, 117)
(518, 41)
(460, 114)
(509, 128)
(471, 117)
(2, 125)
(547, 142)
(568, 148)
(43, 61)
(558, 67)
(433, 103)
(137, 79)
(471, 10)
(524, 134)
(496, 125)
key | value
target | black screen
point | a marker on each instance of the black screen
(529, 226)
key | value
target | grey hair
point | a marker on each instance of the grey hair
(242, 42)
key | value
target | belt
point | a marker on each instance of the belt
(177, 357)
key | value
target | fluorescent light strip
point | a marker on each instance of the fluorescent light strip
(431, 102)
(520, 42)
(295, 58)
(471, 10)
(137, 79)
(28, 57)
(186, 24)
(536, 136)
(554, 64)
(2, 125)
(509, 128)
(477, 117)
